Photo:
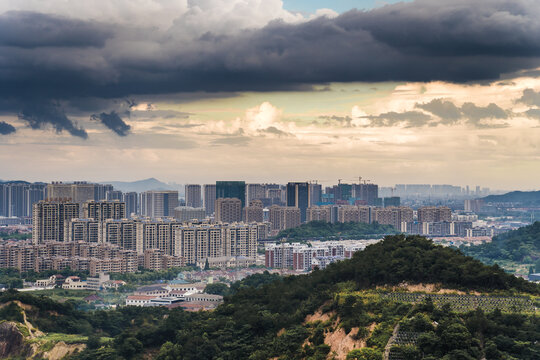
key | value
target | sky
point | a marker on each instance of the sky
(193, 91)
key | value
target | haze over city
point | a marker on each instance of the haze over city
(193, 91)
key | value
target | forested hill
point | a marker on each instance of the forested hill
(521, 245)
(322, 230)
(524, 197)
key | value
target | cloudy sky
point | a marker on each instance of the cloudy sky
(420, 91)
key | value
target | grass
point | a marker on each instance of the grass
(62, 295)
(57, 337)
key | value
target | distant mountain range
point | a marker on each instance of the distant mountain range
(142, 185)
(525, 197)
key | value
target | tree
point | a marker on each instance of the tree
(93, 342)
(130, 347)
(364, 354)
(217, 289)
(170, 351)
(206, 265)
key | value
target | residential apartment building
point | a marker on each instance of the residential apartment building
(209, 198)
(254, 212)
(319, 213)
(193, 195)
(49, 220)
(434, 214)
(228, 210)
(157, 204)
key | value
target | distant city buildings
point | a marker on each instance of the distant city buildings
(220, 223)
(188, 213)
(306, 257)
(155, 204)
(232, 189)
(228, 210)
(298, 196)
(193, 195)
(209, 198)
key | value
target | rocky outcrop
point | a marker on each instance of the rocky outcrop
(12, 341)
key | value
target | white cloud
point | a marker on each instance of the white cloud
(183, 17)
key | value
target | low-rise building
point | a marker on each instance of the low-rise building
(138, 300)
(74, 283)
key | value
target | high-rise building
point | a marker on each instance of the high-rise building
(319, 213)
(473, 205)
(101, 190)
(103, 210)
(231, 189)
(193, 195)
(156, 234)
(86, 230)
(132, 203)
(209, 198)
(255, 192)
(33, 193)
(395, 216)
(284, 217)
(49, 219)
(392, 201)
(78, 191)
(254, 212)
(17, 198)
(228, 210)
(369, 193)
(114, 195)
(156, 204)
(434, 214)
(315, 194)
(188, 213)
(207, 241)
(122, 233)
(298, 196)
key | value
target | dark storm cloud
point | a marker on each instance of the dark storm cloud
(37, 115)
(6, 128)
(49, 58)
(114, 122)
(29, 30)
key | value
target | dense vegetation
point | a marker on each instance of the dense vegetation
(14, 236)
(322, 230)
(520, 246)
(260, 307)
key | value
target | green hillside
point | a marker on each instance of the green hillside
(524, 197)
(520, 246)
(358, 302)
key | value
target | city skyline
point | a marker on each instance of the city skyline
(188, 92)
